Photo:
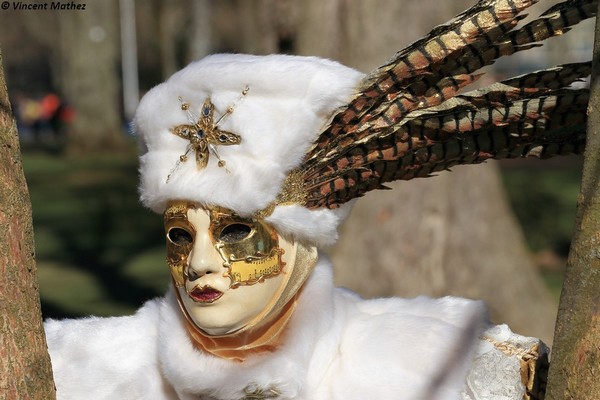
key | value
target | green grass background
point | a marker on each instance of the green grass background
(100, 252)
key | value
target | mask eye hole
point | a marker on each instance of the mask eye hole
(234, 233)
(180, 236)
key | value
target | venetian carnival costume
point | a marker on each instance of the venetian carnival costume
(255, 160)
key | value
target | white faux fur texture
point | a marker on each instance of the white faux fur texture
(338, 346)
(108, 358)
(289, 101)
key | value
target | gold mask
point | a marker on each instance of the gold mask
(249, 247)
(251, 251)
(180, 239)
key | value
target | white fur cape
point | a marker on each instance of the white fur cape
(337, 346)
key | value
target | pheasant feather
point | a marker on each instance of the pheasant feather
(410, 120)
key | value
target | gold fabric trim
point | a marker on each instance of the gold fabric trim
(533, 364)
(239, 346)
(293, 191)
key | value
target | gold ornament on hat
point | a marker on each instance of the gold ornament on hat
(204, 134)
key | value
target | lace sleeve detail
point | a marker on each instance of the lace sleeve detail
(507, 366)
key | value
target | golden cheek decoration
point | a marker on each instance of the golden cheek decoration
(180, 239)
(249, 247)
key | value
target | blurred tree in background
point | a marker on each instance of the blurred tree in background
(450, 234)
(89, 46)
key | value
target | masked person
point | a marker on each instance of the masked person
(254, 161)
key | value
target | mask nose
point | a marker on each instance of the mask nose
(204, 258)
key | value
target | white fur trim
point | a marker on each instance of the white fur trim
(317, 227)
(289, 101)
(108, 358)
(336, 347)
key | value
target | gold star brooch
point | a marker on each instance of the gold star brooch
(204, 134)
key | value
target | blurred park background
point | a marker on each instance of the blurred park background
(75, 76)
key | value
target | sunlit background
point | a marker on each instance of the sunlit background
(75, 77)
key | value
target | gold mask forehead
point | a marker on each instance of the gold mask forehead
(249, 247)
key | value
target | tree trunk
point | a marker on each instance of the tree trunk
(452, 234)
(25, 371)
(171, 14)
(89, 45)
(201, 35)
(247, 26)
(575, 368)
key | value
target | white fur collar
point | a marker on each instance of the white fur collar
(311, 330)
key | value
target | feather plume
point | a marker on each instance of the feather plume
(409, 120)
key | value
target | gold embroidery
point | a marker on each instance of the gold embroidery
(533, 364)
(293, 191)
(253, 392)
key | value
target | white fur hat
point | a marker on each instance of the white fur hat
(289, 101)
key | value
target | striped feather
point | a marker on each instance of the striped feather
(409, 119)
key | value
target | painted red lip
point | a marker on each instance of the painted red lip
(205, 294)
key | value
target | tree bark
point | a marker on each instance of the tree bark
(452, 234)
(575, 368)
(25, 371)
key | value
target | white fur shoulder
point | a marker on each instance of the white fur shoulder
(419, 347)
(107, 358)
